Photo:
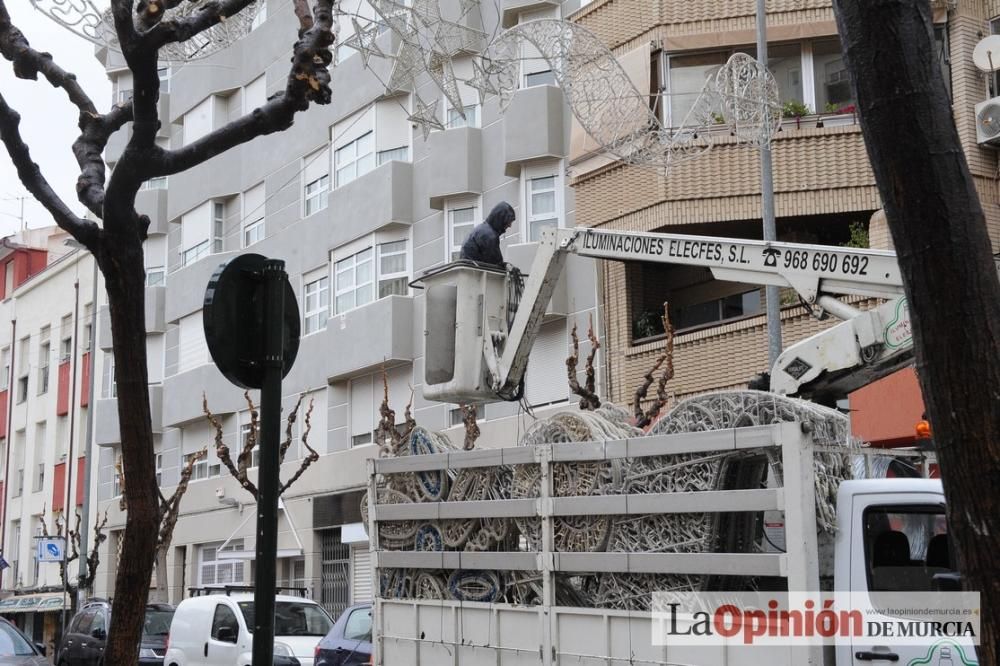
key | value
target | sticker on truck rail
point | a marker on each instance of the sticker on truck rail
(899, 332)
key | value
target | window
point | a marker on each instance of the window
(542, 199)
(245, 430)
(202, 468)
(906, 546)
(253, 215)
(392, 273)
(293, 618)
(218, 221)
(362, 439)
(471, 118)
(401, 154)
(155, 275)
(164, 74)
(355, 159)
(116, 484)
(216, 570)
(22, 369)
(44, 351)
(719, 309)
(19, 487)
(543, 78)
(316, 195)
(354, 281)
(359, 625)
(460, 224)
(123, 96)
(457, 417)
(260, 16)
(159, 469)
(87, 335)
(201, 231)
(157, 183)
(39, 480)
(66, 338)
(15, 550)
(316, 295)
(833, 86)
(225, 626)
(5, 369)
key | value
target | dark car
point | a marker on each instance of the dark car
(349, 643)
(16, 649)
(87, 633)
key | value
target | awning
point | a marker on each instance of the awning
(32, 603)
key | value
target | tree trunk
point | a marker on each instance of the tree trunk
(940, 234)
(121, 261)
(162, 592)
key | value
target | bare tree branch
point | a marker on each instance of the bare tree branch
(151, 12)
(89, 152)
(181, 29)
(309, 459)
(386, 435)
(171, 507)
(643, 417)
(304, 15)
(589, 400)
(122, 504)
(308, 82)
(292, 415)
(222, 451)
(94, 557)
(471, 427)
(245, 458)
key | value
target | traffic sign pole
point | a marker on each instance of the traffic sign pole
(273, 287)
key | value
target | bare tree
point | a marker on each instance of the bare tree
(949, 275)
(142, 29)
(72, 536)
(388, 437)
(645, 416)
(471, 426)
(244, 459)
(589, 400)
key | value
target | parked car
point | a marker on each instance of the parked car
(349, 643)
(16, 649)
(216, 629)
(87, 633)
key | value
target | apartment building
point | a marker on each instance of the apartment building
(358, 202)
(46, 335)
(824, 185)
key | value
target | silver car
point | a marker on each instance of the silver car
(16, 649)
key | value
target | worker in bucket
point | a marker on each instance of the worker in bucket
(483, 244)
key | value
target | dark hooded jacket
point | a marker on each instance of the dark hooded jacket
(483, 244)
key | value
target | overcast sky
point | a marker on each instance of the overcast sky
(48, 119)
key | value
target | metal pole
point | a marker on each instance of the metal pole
(273, 289)
(773, 298)
(81, 593)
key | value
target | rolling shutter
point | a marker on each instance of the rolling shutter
(361, 574)
(193, 350)
(545, 381)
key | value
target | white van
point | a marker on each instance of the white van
(216, 630)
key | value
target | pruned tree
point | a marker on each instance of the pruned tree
(142, 28)
(469, 415)
(645, 416)
(244, 459)
(72, 536)
(389, 438)
(589, 400)
(170, 512)
(939, 231)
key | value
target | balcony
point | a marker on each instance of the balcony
(156, 298)
(187, 285)
(362, 339)
(106, 429)
(186, 388)
(359, 85)
(455, 164)
(534, 127)
(379, 197)
(153, 202)
(511, 9)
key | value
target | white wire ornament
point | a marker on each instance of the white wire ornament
(84, 19)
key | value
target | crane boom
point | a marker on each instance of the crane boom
(868, 344)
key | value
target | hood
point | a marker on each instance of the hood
(500, 217)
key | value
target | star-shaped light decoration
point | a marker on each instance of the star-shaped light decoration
(441, 72)
(482, 80)
(425, 115)
(468, 6)
(363, 41)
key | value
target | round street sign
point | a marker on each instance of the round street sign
(234, 321)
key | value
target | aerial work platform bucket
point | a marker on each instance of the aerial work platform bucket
(464, 301)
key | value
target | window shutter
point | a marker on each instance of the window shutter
(361, 574)
(545, 380)
(193, 350)
(393, 129)
(253, 203)
(255, 94)
(196, 226)
(317, 165)
(198, 121)
(155, 251)
(362, 406)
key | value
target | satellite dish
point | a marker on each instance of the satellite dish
(986, 55)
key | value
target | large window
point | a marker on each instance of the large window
(833, 86)
(354, 281)
(316, 295)
(461, 220)
(456, 119)
(203, 469)
(44, 352)
(542, 200)
(355, 159)
(216, 570)
(906, 546)
(253, 215)
(201, 231)
(392, 272)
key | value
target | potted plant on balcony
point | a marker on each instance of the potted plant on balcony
(795, 110)
(839, 114)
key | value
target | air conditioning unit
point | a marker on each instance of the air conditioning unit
(988, 122)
